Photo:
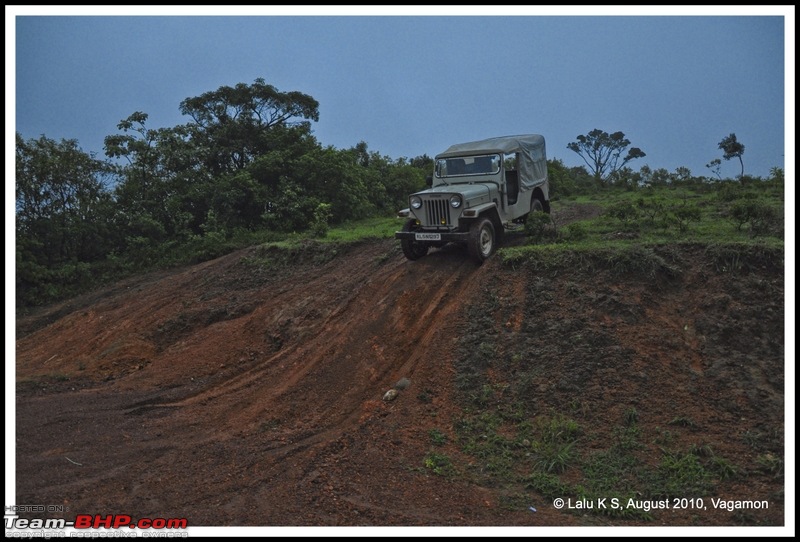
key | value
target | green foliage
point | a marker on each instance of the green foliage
(575, 231)
(626, 179)
(623, 211)
(547, 485)
(624, 259)
(439, 464)
(566, 181)
(540, 228)
(554, 443)
(714, 214)
(682, 421)
(743, 258)
(776, 174)
(232, 125)
(437, 437)
(683, 215)
(322, 214)
(64, 218)
(760, 215)
(680, 475)
(653, 210)
(771, 464)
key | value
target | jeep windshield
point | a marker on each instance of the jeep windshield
(468, 165)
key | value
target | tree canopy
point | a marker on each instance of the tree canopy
(732, 149)
(602, 151)
(246, 162)
(233, 124)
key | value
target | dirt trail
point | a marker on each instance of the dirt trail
(293, 366)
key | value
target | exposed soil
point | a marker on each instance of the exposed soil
(248, 390)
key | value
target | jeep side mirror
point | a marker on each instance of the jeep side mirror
(429, 180)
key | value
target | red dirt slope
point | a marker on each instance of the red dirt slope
(248, 390)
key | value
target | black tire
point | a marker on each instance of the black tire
(482, 239)
(536, 207)
(413, 250)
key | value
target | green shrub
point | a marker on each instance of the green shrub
(540, 228)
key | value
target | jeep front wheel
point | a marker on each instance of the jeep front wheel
(482, 239)
(413, 250)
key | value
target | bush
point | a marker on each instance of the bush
(651, 209)
(684, 215)
(762, 217)
(540, 228)
(624, 212)
(322, 215)
(577, 231)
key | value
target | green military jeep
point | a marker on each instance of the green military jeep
(478, 190)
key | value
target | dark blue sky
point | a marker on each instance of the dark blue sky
(413, 85)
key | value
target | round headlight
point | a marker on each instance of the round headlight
(455, 202)
(416, 202)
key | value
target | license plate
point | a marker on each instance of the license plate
(428, 236)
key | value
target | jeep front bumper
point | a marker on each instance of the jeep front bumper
(433, 236)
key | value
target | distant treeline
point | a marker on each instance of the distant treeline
(245, 167)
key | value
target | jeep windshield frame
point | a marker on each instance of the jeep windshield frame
(531, 163)
(467, 166)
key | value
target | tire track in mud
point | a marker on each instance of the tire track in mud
(380, 322)
(313, 391)
(375, 323)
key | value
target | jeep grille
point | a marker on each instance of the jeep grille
(437, 212)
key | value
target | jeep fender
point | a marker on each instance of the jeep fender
(489, 210)
(479, 210)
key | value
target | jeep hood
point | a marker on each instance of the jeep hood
(468, 191)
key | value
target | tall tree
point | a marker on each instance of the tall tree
(602, 151)
(160, 164)
(60, 193)
(63, 216)
(232, 124)
(732, 149)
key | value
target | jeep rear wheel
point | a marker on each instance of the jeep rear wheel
(482, 239)
(536, 207)
(413, 250)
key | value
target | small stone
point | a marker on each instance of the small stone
(390, 395)
(402, 384)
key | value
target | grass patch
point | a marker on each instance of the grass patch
(591, 256)
(308, 249)
(517, 441)
(439, 464)
(737, 223)
(369, 228)
(437, 437)
(555, 457)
